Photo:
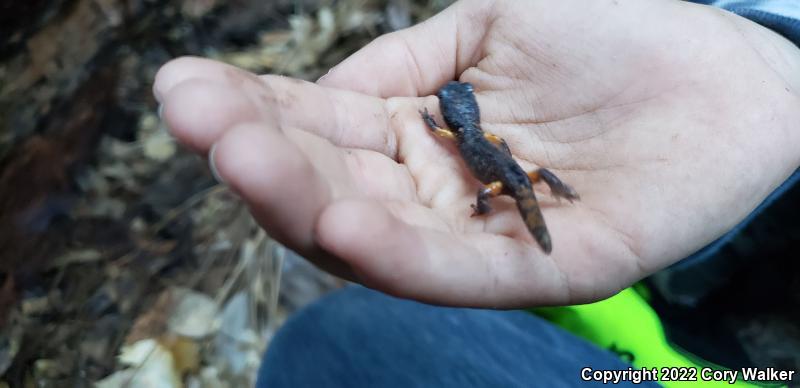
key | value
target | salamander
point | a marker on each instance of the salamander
(489, 159)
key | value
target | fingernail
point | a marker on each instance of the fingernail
(212, 164)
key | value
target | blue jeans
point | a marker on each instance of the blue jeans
(357, 337)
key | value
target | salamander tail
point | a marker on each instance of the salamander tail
(532, 216)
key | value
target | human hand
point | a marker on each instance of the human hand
(671, 120)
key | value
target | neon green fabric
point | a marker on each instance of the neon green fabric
(626, 324)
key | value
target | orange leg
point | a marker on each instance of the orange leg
(445, 133)
(489, 191)
(494, 139)
(557, 187)
(437, 130)
(498, 142)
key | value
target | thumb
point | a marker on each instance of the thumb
(417, 60)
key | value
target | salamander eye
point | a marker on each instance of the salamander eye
(469, 88)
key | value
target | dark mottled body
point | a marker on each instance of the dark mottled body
(489, 159)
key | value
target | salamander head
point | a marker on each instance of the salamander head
(458, 105)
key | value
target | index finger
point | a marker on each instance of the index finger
(203, 98)
(416, 61)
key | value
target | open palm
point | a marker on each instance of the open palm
(672, 121)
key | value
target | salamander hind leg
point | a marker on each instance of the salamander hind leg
(484, 193)
(557, 187)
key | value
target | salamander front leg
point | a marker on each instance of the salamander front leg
(498, 141)
(484, 193)
(437, 130)
(557, 187)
